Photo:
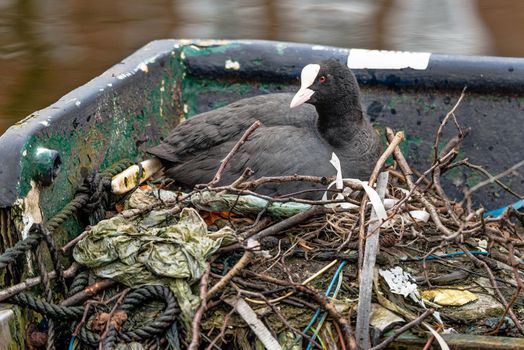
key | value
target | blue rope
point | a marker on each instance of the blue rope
(328, 292)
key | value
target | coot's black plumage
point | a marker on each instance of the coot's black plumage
(290, 141)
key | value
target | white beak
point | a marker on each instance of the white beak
(301, 97)
(307, 78)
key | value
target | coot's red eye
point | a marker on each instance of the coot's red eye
(322, 79)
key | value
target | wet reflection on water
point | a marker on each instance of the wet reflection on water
(50, 47)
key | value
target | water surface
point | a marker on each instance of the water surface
(48, 47)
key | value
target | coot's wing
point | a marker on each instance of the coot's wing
(224, 125)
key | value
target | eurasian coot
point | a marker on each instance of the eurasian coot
(291, 140)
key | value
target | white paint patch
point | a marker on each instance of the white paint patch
(24, 153)
(44, 123)
(101, 89)
(318, 48)
(380, 59)
(109, 84)
(235, 65)
(308, 75)
(78, 103)
(186, 108)
(143, 67)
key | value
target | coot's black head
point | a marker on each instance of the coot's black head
(325, 82)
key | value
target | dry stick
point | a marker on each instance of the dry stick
(88, 292)
(491, 179)
(110, 316)
(74, 241)
(195, 325)
(394, 142)
(444, 122)
(454, 142)
(493, 282)
(484, 172)
(403, 164)
(231, 153)
(366, 276)
(31, 282)
(514, 264)
(404, 328)
(244, 260)
(323, 180)
(291, 221)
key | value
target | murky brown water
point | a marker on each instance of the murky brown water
(48, 47)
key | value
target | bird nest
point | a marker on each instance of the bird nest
(371, 263)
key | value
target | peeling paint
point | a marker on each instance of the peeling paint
(78, 103)
(32, 214)
(143, 67)
(230, 64)
(44, 123)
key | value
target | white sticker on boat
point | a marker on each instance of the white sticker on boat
(380, 59)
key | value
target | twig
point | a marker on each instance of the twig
(484, 172)
(88, 292)
(403, 164)
(493, 282)
(393, 144)
(31, 282)
(291, 221)
(243, 262)
(516, 293)
(444, 122)
(491, 179)
(195, 325)
(291, 178)
(402, 329)
(74, 241)
(231, 153)
(110, 316)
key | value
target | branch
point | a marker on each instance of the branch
(195, 326)
(231, 153)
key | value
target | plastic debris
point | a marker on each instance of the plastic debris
(449, 297)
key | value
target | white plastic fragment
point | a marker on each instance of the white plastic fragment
(419, 215)
(401, 282)
(339, 184)
(440, 340)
